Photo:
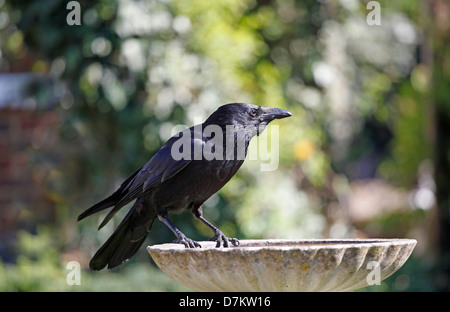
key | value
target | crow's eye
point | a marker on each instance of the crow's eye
(253, 112)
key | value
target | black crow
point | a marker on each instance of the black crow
(189, 168)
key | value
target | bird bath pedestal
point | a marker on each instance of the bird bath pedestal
(284, 265)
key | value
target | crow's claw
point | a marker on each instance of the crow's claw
(221, 239)
(187, 242)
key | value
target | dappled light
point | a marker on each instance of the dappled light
(83, 106)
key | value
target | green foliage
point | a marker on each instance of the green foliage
(136, 69)
(40, 266)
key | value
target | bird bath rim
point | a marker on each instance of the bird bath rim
(282, 264)
(254, 244)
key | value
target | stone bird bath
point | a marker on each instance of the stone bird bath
(283, 265)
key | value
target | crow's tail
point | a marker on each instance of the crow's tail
(112, 200)
(126, 239)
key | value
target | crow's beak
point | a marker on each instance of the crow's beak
(271, 113)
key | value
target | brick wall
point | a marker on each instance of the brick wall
(24, 202)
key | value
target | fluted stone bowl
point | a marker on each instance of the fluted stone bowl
(284, 265)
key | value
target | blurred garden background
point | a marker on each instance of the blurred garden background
(366, 153)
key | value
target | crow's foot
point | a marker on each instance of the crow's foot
(187, 242)
(221, 239)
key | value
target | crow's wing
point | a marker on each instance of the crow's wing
(160, 168)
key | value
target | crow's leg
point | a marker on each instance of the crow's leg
(181, 238)
(219, 237)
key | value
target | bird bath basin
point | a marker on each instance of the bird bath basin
(283, 265)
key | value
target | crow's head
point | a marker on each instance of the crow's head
(252, 118)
